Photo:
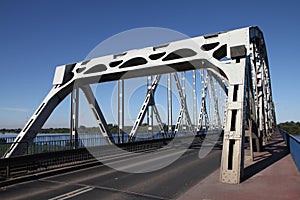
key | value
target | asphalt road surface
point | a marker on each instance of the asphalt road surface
(103, 182)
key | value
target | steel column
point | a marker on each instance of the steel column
(169, 88)
(74, 117)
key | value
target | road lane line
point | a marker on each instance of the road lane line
(73, 193)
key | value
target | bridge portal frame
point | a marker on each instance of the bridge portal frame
(238, 57)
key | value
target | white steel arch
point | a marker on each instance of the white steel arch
(238, 57)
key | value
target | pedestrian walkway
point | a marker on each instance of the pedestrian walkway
(272, 175)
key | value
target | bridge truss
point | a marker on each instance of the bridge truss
(235, 61)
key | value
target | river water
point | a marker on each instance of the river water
(86, 138)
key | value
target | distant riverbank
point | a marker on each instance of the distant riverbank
(47, 130)
(291, 127)
(82, 129)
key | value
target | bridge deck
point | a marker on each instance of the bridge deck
(272, 175)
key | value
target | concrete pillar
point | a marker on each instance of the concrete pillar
(232, 164)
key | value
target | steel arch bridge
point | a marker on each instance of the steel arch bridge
(233, 63)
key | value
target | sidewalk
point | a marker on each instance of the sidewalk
(272, 175)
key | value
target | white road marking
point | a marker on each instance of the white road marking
(73, 193)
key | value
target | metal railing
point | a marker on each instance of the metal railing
(45, 155)
(294, 146)
(52, 143)
(42, 156)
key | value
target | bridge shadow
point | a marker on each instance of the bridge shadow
(273, 152)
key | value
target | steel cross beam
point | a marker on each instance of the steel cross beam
(264, 107)
(149, 100)
(226, 54)
(203, 104)
(183, 109)
(203, 110)
(97, 113)
(213, 91)
(159, 121)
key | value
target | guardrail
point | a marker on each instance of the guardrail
(54, 145)
(38, 162)
(56, 142)
(294, 146)
(44, 144)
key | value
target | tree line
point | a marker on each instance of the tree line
(44, 130)
(291, 127)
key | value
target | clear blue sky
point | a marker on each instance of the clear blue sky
(36, 36)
